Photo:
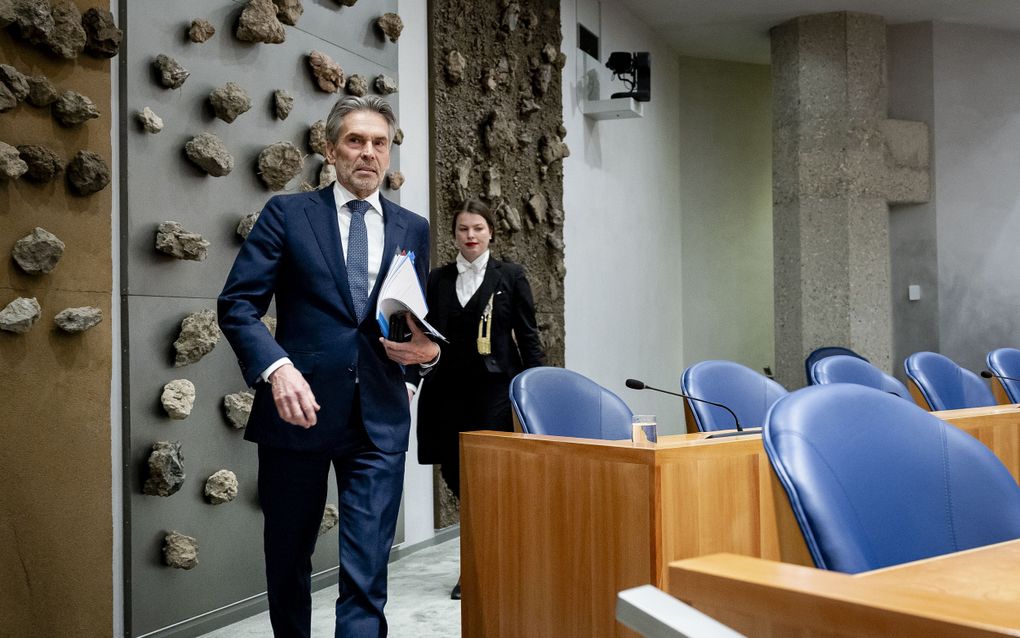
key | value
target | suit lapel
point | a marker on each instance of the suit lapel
(323, 218)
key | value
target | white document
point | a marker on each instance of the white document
(401, 292)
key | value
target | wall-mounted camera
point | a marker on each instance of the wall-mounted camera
(635, 69)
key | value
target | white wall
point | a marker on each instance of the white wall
(414, 195)
(624, 314)
(725, 174)
(976, 142)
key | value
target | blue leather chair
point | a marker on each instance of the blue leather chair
(842, 368)
(1005, 362)
(747, 392)
(875, 481)
(944, 385)
(561, 402)
(826, 351)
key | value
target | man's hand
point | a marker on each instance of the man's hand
(294, 399)
(420, 349)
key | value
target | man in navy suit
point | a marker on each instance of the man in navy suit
(329, 390)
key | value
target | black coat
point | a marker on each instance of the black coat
(468, 391)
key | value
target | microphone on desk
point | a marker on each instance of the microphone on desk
(634, 384)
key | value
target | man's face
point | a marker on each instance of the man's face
(361, 154)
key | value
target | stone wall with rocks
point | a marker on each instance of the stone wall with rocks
(497, 127)
(219, 115)
(56, 545)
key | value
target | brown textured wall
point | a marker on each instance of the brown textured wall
(55, 486)
(497, 133)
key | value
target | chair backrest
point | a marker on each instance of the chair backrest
(1005, 362)
(945, 385)
(875, 481)
(843, 368)
(747, 392)
(825, 351)
(561, 402)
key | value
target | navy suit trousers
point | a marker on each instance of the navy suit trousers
(292, 492)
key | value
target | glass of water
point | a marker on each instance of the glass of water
(643, 430)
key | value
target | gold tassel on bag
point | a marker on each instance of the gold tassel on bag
(485, 330)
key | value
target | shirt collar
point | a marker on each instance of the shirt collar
(342, 196)
(477, 265)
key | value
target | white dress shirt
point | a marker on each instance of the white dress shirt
(469, 276)
(374, 226)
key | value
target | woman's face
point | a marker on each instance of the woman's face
(471, 235)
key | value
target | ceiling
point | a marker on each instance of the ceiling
(738, 29)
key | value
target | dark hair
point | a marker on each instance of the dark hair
(475, 207)
(349, 104)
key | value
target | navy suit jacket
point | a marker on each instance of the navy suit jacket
(294, 252)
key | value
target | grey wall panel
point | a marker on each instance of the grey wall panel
(163, 185)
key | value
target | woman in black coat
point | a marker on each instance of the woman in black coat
(484, 308)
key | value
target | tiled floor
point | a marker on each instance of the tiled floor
(419, 600)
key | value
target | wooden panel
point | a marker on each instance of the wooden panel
(972, 593)
(550, 537)
(998, 427)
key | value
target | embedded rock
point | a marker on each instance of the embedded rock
(398, 137)
(306, 187)
(238, 407)
(330, 517)
(552, 149)
(6, 13)
(151, 122)
(229, 101)
(395, 179)
(455, 66)
(200, 31)
(209, 153)
(68, 37)
(11, 164)
(43, 164)
(172, 239)
(79, 319)
(537, 207)
(199, 335)
(221, 487)
(493, 183)
(270, 324)
(33, 19)
(7, 99)
(329, 76)
(73, 108)
(166, 469)
(171, 74)
(498, 134)
(327, 174)
(357, 85)
(87, 173)
(20, 315)
(541, 79)
(279, 163)
(101, 33)
(346, 3)
(288, 11)
(15, 81)
(180, 551)
(41, 92)
(247, 223)
(391, 25)
(282, 103)
(258, 23)
(178, 398)
(38, 252)
(317, 137)
(385, 85)
(528, 106)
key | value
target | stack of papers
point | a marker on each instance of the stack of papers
(401, 292)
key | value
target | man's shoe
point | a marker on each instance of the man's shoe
(455, 594)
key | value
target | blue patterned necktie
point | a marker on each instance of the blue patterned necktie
(357, 256)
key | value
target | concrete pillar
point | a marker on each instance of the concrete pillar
(837, 165)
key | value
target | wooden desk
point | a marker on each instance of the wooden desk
(553, 527)
(970, 593)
